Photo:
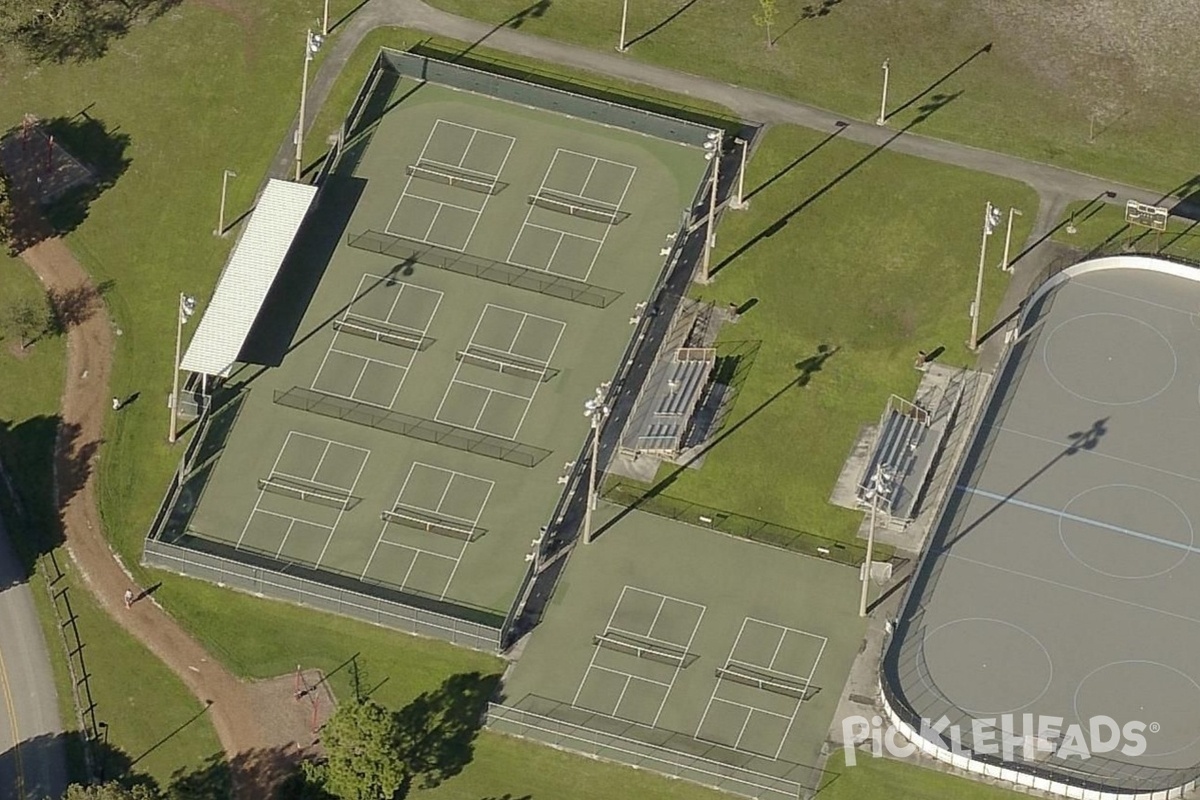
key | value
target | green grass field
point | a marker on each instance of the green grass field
(880, 265)
(1078, 107)
(151, 236)
(1104, 227)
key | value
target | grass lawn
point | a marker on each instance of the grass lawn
(1052, 88)
(885, 779)
(877, 285)
(151, 236)
(1103, 226)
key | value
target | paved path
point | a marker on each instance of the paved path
(85, 397)
(750, 104)
(33, 762)
(85, 402)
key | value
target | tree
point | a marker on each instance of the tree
(362, 761)
(765, 18)
(72, 30)
(109, 791)
(26, 319)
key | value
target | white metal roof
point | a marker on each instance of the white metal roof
(248, 277)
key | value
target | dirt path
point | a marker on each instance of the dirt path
(85, 401)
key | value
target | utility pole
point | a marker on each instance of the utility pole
(187, 306)
(991, 217)
(713, 146)
(311, 45)
(595, 410)
(624, 18)
(883, 101)
(1008, 238)
(220, 231)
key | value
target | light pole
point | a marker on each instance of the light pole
(220, 231)
(883, 101)
(187, 306)
(624, 18)
(595, 410)
(311, 45)
(991, 218)
(739, 201)
(713, 146)
(325, 20)
(1008, 236)
(880, 484)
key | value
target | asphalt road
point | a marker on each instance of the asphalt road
(32, 749)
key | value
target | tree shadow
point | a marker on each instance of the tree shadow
(74, 306)
(57, 33)
(809, 12)
(936, 103)
(664, 23)
(437, 730)
(57, 172)
(27, 491)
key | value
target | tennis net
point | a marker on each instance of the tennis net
(414, 519)
(674, 659)
(309, 495)
(577, 207)
(503, 366)
(367, 330)
(797, 690)
(441, 174)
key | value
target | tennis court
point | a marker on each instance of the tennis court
(1062, 573)
(376, 340)
(412, 438)
(682, 650)
(449, 184)
(500, 370)
(579, 201)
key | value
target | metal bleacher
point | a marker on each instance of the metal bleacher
(901, 434)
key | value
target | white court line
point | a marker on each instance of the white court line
(529, 212)
(608, 228)
(630, 675)
(752, 709)
(293, 518)
(596, 158)
(342, 511)
(371, 359)
(687, 649)
(313, 480)
(460, 167)
(561, 233)
(1147, 537)
(1095, 453)
(445, 204)
(1164, 306)
(492, 391)
(538, 384)
(596, 648)
(799, 702)
(418, 550)
(526, 314)
(486, 197)
(474, 524)
(646, 636)
(261, 492)
(1067, 586)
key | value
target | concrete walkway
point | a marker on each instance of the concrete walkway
(33, 752)
(750, 104)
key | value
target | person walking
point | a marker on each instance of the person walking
(116, 404)
(129, 598)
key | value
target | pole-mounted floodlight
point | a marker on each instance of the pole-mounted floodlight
(187, 307)
(1008, 237)
(880, 485)
(220, 231)
(713, 154)
(596, 410)
(883, 101)
(312, 46)
(991, 218)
